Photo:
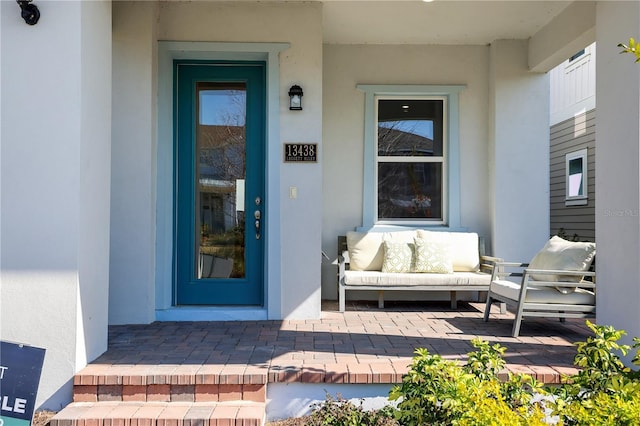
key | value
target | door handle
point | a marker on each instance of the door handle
(257, 215)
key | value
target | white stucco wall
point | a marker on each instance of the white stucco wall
(518, 153)
(294, 236)
(618, 169)
(345, 66)
(133, 179)
(56, 107)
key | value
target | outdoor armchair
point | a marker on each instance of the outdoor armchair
(566, 290)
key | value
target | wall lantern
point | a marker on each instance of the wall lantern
(295, 98)
(30, 12)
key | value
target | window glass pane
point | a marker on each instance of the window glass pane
(410, 191)
(221, 172)
(576, 55)
(410, 127)
(576, 188)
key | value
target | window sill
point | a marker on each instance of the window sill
(576, 202)
(394, 228)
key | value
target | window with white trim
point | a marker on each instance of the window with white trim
(411, 156)
(576, 178)
(411, 159)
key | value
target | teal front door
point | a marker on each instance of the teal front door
(219, 183)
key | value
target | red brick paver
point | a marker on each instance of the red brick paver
(217, 373)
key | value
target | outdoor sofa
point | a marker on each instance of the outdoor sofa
(413, 260)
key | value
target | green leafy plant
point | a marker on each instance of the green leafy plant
(340, 412)
(562, 233)
(632, 47)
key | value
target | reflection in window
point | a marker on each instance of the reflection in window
(576, 187)
(221, 174)
(410, 159)
(409, 190)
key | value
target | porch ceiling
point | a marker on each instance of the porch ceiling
(438, 22)
(444, 22)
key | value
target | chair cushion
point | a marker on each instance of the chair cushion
(433, 256)
(560, 254)
(398, 257)
(547, 295)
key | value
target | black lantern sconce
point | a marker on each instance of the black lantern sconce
(30, 12)
(295, 98)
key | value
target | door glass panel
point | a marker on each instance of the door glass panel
(220, 173)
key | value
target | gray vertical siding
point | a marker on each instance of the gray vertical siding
(569, 136)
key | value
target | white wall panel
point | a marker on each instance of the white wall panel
(618, 170)
(56, 106)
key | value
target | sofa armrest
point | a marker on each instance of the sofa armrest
(343, 263)
(487, 263)
(504, 269)
(512, 264)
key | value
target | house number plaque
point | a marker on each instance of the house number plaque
(300, 152)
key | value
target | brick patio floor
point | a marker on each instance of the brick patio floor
(363, 345)
(218, 373)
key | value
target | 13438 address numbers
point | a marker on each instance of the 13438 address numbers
(300, 152)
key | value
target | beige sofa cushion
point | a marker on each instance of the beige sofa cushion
(446, 281)
(365, 251)
(464, 248)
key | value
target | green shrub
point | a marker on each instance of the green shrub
(436, 391)
(604, 391)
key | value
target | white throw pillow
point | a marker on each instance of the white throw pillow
(433, 256)
(560, 254)
(365, 251)
(398, 257)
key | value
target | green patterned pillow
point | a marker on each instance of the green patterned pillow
(398, 257)
(433, 256)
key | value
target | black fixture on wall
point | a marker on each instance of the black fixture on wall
(30, 12)
(295, 98)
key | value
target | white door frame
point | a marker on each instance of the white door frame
(164, 280)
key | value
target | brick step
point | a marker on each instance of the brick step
(110, 413)
(169, 393)
(169, 383)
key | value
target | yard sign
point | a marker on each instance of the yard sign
(20, 368)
